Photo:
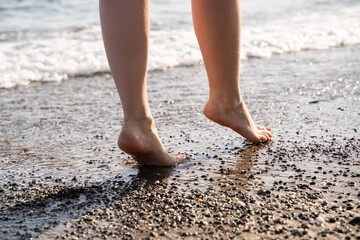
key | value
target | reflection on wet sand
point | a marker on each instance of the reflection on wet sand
(151, 174)
(74, 172)
(238, 167)
(55, 206)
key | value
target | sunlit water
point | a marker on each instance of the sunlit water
(55, 40)
(61, 136)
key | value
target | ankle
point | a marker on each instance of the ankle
(142, 121)
(225, 102)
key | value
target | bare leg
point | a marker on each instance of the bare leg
(217, 27)
(125, 28)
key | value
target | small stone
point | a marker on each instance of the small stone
(88, 219)
(261, 192)
(355, 221)
(324, 233)
(352, 184)
(185, 234)
(319, 220)
(304, 225)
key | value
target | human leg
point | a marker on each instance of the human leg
(125, 29)
(217, 26)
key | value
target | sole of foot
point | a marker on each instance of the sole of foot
(238, 118)
(144, 145)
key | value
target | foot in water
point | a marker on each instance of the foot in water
(237, 117)
(141, 141)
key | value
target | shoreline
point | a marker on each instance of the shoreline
(63, 176)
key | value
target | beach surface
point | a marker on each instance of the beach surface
(62, 175)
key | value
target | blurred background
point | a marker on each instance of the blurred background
(52, 40)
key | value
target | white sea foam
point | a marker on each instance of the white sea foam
(57, 56)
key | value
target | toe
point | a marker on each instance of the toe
(263, 137)
(264, 131)
(264, 128)
(260, 128)
(178, 158)
(269, 134)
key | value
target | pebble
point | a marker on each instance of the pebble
(228, 205)
(355, 221)
(319, 220)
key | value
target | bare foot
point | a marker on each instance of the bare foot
(237, 117)
(141, 141)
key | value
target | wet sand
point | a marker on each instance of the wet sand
(62, 175)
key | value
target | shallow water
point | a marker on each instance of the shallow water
(58, 140)
(44, 40)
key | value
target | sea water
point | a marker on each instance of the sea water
(53, 40)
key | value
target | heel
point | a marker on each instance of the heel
(130, 143)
